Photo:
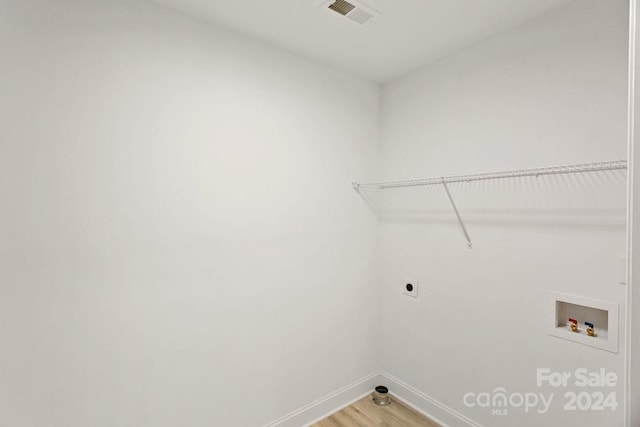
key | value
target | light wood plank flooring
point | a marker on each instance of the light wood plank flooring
(365, 413)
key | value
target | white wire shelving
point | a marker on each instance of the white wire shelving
(518, 173)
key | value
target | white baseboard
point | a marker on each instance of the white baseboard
(339, 399)
(331, 403)
(428, 406)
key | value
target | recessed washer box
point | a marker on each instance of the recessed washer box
(602, 314)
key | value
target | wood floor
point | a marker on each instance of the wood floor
(365, 413)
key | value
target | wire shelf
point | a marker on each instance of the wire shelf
(535, 172)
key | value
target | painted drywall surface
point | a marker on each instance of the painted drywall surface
(551, 92)
(179, 241)
(633, 294)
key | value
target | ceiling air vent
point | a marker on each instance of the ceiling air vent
(342, 7)
(355, 10)
(360, 16)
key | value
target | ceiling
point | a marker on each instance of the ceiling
(405, 35)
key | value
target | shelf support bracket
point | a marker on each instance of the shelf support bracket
(455, 209)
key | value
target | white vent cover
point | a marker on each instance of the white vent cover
(360, 15)
(352, 9)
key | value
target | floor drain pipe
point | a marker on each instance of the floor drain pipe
(381, 396)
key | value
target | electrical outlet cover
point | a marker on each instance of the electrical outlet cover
(410, 287)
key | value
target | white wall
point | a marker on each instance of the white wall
(550, 92)
(633, 291)
(179, 242)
